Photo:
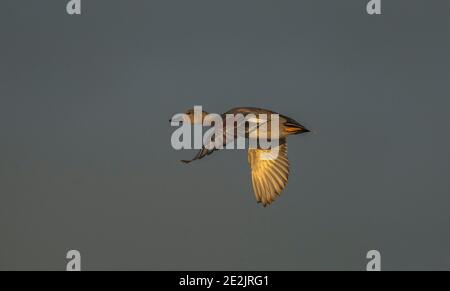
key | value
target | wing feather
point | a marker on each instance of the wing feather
(269, 176)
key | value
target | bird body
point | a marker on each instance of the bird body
(269, 167)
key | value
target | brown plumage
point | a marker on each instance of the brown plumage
(269, 167)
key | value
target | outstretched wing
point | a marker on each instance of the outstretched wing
(200, 154)
(270, 172)
(217, 138)
(209, 143)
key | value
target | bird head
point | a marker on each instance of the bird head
(194, 115)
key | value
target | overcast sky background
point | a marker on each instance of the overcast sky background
(85, 155)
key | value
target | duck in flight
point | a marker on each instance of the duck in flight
(269, 175)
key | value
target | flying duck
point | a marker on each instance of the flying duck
(269, 175)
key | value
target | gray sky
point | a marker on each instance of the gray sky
(85, 155)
